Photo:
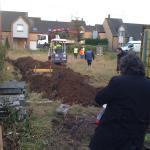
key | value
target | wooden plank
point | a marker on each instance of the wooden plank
(1, 138)
(42, 70)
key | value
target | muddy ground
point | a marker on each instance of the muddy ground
(63, 83)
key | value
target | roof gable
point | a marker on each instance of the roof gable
(22, 18)
(114, 25)
(89, 28)
(8, 17)
(99, 28)
(131, 29)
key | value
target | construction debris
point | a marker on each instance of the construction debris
(63, 109)
(12, 95)
(13, 112)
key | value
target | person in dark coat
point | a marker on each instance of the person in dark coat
(120, 54)
(89, 56)
(126, 117)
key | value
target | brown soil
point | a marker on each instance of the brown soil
(63, 83)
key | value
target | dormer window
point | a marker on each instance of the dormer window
(20, 27)
(121, 31)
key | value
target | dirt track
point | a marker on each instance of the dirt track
(63, 83)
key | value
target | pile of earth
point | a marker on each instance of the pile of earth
(63, 83)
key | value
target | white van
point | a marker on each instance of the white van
(132, 45)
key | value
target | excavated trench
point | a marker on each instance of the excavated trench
(63, 83)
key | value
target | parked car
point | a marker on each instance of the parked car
(132, 45)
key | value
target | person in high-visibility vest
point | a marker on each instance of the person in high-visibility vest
(81, 52)
(57, 46)
(75, 52)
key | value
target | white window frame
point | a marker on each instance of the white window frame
(20, 28)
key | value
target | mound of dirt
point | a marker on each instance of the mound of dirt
(62, 83)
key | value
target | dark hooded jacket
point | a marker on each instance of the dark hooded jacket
(119, 56)
(126, 117)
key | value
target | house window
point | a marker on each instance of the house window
(34, 29)
(122, 33)
(20, 27)
(41, 37)
(95, 34)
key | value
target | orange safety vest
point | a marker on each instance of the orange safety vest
(81, 52)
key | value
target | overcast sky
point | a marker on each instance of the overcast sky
(92, 11)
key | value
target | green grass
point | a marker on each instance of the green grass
(40, 55)
(103, 68)
(147, 137)
(41, 132)
(78, 110)
(9, 73)
(40, 121)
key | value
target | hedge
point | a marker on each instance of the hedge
(96, 42)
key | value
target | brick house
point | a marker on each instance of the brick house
(118, 33)
(101, 32)
(22, 31)
(94, 32)
(15, 27)
(38, 26)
